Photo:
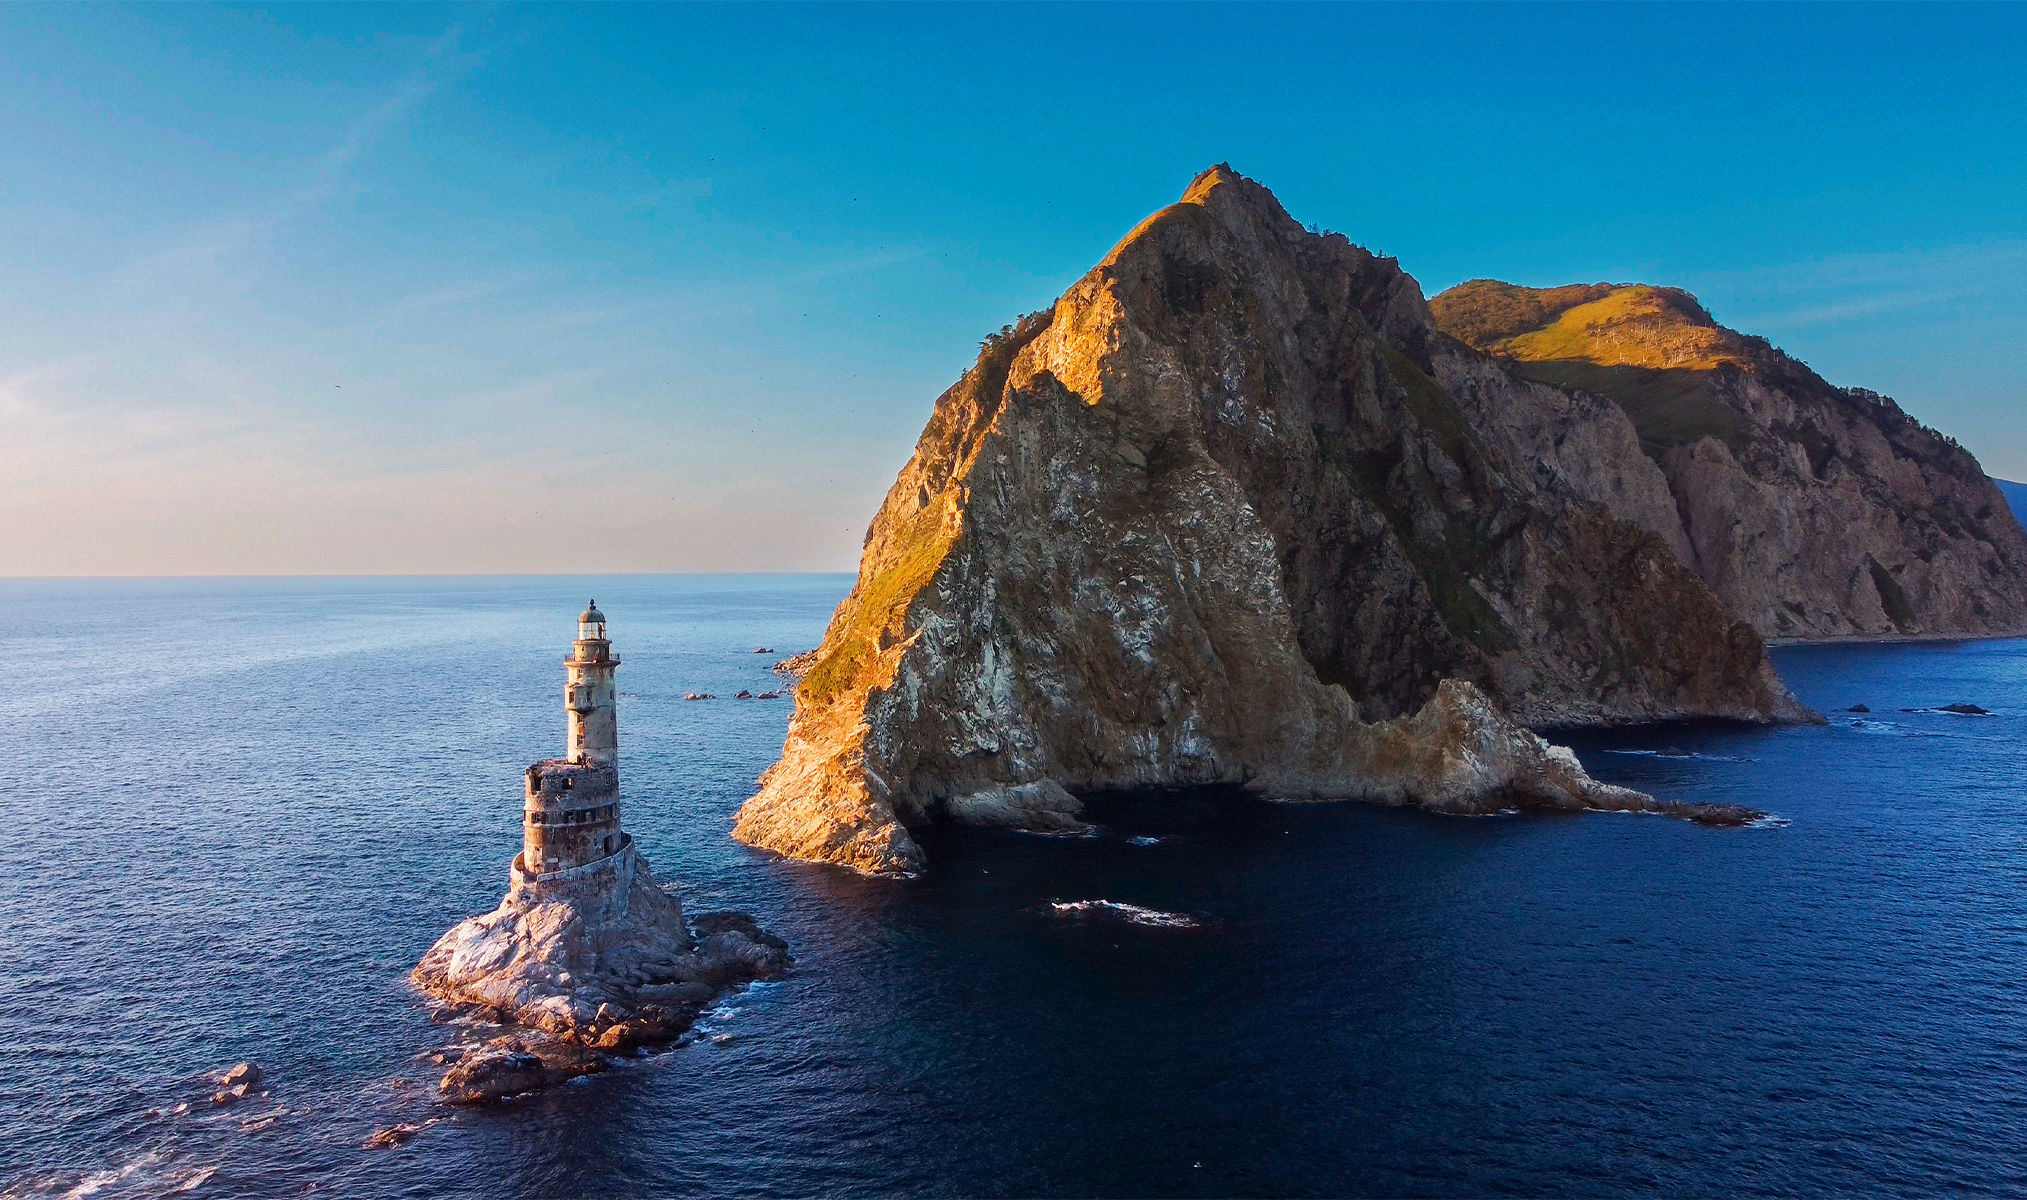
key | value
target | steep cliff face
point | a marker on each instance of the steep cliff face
(1812, 511)
(1216, 518)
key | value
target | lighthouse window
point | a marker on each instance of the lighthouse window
(567, 783)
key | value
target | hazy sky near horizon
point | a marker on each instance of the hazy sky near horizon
(513, 288)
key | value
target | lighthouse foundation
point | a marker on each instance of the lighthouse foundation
(574, 957)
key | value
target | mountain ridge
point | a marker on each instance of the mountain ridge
(1814, 511)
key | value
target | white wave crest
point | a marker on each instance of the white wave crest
(1128, 912)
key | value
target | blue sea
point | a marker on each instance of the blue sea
(239, 810)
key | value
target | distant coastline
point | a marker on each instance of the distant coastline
(1887, 639)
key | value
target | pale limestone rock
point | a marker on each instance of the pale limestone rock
(1042, 806)
(584, 970)
(586, 947)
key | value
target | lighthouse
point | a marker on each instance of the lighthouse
(586, 947)
(592, 733)
(570, 832)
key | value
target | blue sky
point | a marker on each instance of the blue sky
(522, 288)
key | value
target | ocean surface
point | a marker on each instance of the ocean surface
(239, 810)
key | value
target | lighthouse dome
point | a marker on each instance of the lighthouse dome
(591, 615)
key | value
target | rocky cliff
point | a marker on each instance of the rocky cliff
(1812, 511)
(1235, 511)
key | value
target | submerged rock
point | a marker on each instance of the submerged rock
(1235, 511)
(1724, 815)
(399, 1134)
(1968, 710)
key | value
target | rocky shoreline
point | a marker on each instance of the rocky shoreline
(587, 954)
(1892, 639)
(564, 1012)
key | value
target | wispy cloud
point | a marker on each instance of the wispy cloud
(333, 166)
(1861, 306)
(1850, 287)
(329, 173)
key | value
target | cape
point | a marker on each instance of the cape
(1236, 511)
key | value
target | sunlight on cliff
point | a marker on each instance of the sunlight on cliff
(1636, 326)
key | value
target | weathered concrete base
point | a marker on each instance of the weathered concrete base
(601, 961)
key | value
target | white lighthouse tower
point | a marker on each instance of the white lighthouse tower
(592, 735)
(571, 841)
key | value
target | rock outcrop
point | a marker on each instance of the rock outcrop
(1812, 511)
(585, 969)
(556, 1044)
(1221, 516)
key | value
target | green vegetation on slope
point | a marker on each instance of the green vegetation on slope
(1433, 407)
(1484, 312)
(1667, 407)
(1653, 351)
(913, 545)
(1636, 326)
(1447, 566)
(883, 605)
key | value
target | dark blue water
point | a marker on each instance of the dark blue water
(238, 811)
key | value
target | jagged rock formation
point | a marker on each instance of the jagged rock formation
(551, 957)
(583, 970)
(579, 989)
(1813, 511)
(1220, 516)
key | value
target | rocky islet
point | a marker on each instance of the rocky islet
(587, 954)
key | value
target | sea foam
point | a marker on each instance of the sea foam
(1133, 913)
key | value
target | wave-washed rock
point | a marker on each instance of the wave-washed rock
(237, 1083)
(1214, 519)
(584, 978)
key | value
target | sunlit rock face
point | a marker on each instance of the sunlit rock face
(1218, 517)
(1812, 511)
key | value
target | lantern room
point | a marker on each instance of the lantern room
(591, 624)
